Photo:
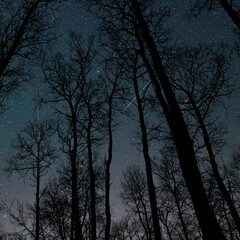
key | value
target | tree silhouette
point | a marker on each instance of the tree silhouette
(78, 99)
(148, 164)
(34, 156)
(24, 26)
(136, 26)
(56, 211)
(112, 88)
(176, 210)
(230, 7)
(205, 83)
(66, 81)
(182, 140)
(135, 195)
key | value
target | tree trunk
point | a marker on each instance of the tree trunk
(213, 163)
(38, 198)
(184, 145)
(234, 15)
(107, 201)
(38, 173)
(184, 227)
(108, 163)
(151, 187)
(17, 38)
(92, 179)
(76, 224)
(230, 230)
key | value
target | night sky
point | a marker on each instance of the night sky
(215, 27)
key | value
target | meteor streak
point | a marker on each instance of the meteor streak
(139, 93)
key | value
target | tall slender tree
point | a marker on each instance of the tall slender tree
(203, 89)
(111, 78)
(145, 146)
(92, 122)
(35, 155)
(182, 140)
(135, 196)
(67, 80)
(133, 22)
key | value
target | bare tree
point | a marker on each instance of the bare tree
(231, 7)
(67, 79)
(131, 18)
(80, 103)
(127, 57)
(21, 218)
(205, 82)
(34, 156)
(135, 195)
(145, 146)
(56, 202)
(128, 228)
(111, 90)
(175, 207)
(24, 26)
(56, 211)
(182, 140)
(92, 126)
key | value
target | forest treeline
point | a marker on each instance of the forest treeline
(171, 90)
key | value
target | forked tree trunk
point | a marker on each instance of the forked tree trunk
(222, 187)
(184, 145)
(148, 164)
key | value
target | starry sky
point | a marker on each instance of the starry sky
(214, 27)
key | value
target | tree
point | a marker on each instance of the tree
(182, 140)
(92, 124)
(231, 8)
(34, 156)
(127, 228)
(90, 108)
(135, 195)
(145, 146)
(79, 102)
(56, 210)
(135, 24)
(66, 80)
(111, 78)
(127, 57)
(230, 176)
(56, 202)
(24, 26)
(204, 83)
(175, 209)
